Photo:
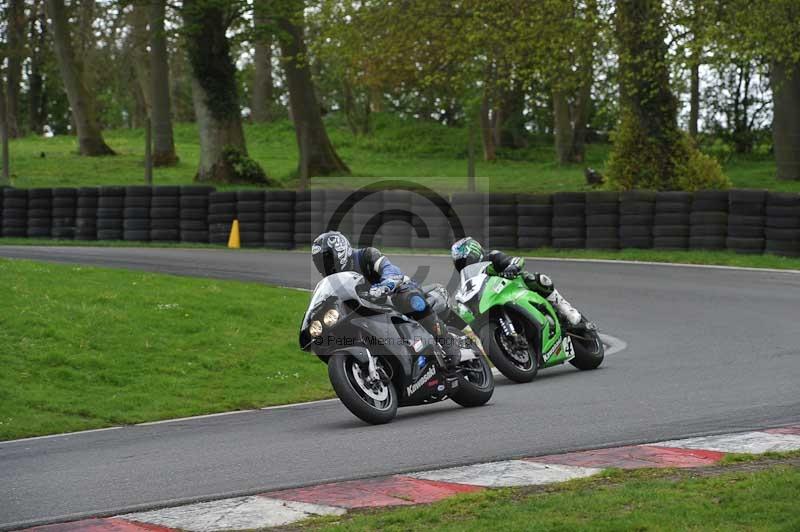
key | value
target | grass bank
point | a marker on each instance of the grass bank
(85, 347)
(758, 495)
(397, 148)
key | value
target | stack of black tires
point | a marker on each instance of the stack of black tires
(308, 216)
(165, 221)
(782, 223)
(110, 213)
(40, 212)
(602, 220)
(221, 213)
(471, 210)
(65, 203)
(15, 212)
(671, 225)
(86, 213)
(534, 221)
(335, 202)
(396, 219)
(193, 221)
(250, 213)
(433, 211)
(279, 219)
(569, 220)
(708, 222)
(636, 217)
(136, 226)
(746, 221)
(502, 221)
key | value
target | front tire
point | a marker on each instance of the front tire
(589, 350)
(365, 402)
(517, 370)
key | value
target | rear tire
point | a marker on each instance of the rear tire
(589, 353)
(479, 389)
(340, 372)
(502, 361)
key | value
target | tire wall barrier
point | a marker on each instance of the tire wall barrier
(745, 221)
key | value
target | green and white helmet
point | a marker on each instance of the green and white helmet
(465, 252)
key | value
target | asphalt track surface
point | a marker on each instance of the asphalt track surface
(710, 350)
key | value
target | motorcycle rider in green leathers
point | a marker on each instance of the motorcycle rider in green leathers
(469, 251)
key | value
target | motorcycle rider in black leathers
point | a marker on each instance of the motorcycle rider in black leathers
(332, 253)
(469, 251)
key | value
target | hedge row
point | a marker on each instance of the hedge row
(747, 221)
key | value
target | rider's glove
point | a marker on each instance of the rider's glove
(381, 289)
(511, 271)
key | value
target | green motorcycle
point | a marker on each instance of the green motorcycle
(519, 329)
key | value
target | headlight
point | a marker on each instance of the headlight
(331, 317)
(315, 329)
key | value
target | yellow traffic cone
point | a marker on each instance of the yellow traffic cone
(233, 240)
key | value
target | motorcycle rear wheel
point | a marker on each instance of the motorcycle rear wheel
(475, 382)
(345, 372)
(589, 350)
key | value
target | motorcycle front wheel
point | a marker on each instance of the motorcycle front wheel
(375, 403)
(516, 363)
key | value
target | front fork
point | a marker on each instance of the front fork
(507, 324)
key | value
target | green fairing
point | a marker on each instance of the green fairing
(499, 291)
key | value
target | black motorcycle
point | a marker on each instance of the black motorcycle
(378, 359)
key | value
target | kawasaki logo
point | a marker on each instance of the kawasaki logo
(553, 351)
(412, 388)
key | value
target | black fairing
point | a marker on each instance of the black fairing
(363, 325)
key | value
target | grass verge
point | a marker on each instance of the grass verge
(84, 347)
(755, 495)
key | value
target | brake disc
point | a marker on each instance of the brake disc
(379, 392)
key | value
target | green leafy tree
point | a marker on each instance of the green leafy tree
(650, 151)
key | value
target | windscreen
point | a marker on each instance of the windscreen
(339, 285)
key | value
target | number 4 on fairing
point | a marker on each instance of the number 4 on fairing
(519, 329)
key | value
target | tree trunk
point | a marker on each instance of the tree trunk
(648, 145)
(562, 127)
(36, 94)
(4, 171)
(90, 139)
(580, 113)
(694, 97)
(306, 113)
(785, 83)
(16, 53)
(138, 43)
(511, 118)
(263, 89)
(223, 153)
(160, 104)
(487, 136)
(357, 113)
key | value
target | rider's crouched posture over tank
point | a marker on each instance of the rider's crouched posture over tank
(332, 253)
(469, 251)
